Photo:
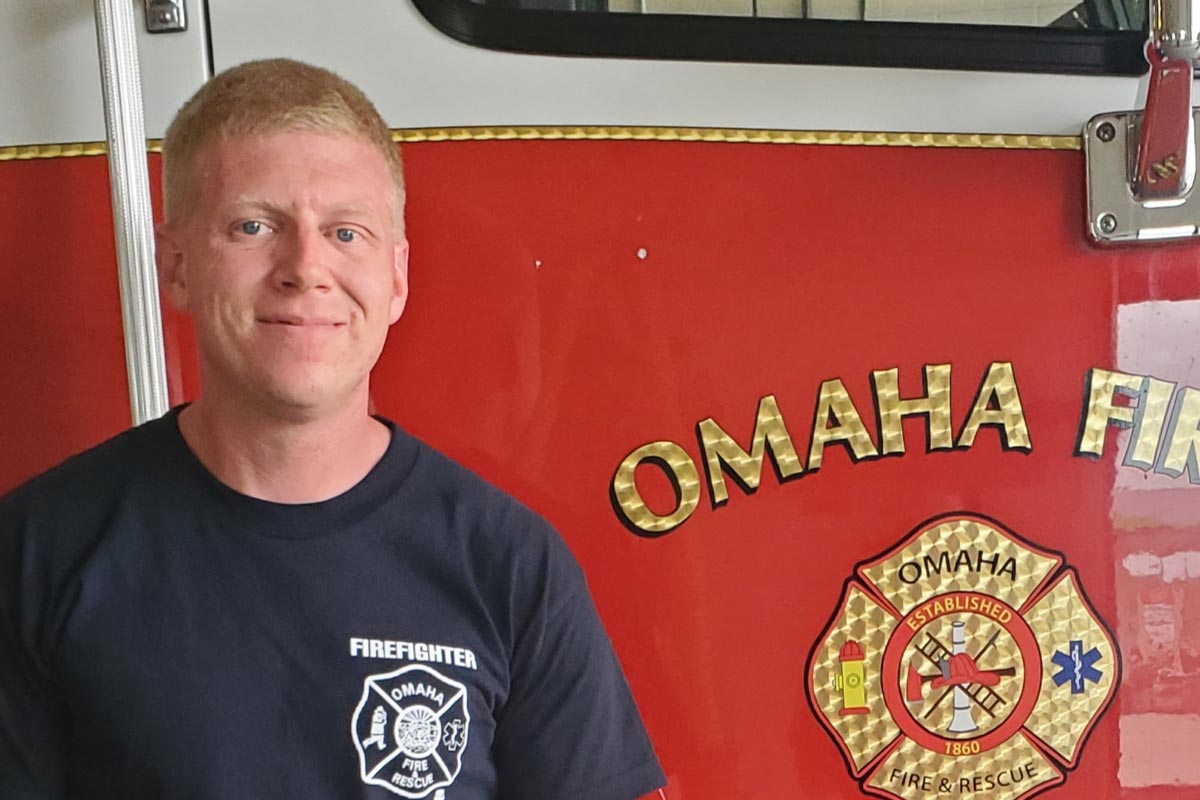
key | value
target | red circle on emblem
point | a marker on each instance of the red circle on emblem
(961, 603)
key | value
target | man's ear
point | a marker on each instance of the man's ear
(168, 257)
(399, 280)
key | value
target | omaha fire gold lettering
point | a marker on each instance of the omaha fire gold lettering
(720, 449)
(1165, 422)
(1183, 438)
(681, 471)
(1146, 412)
(1153, 400)
(834, 405)
(1165, 437)
(934, 405)
(998, 403)
(837, 421)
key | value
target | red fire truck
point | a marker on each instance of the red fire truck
(852, 345)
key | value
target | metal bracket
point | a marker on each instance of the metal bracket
(1141, 165)
(166, 16)
(1116, 212)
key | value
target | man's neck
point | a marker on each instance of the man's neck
(284, 461)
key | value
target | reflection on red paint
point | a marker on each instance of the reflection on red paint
(1157, 565)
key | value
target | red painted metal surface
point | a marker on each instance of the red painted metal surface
(572, 301)
(61, 353)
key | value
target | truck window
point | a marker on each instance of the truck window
(1102, 37)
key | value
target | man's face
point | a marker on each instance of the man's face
(291, 267)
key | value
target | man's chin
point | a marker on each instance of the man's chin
(305, 402)
(272, 391)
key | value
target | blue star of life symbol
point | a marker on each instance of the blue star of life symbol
(1077, 667)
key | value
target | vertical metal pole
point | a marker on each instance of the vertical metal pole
(129, 181)
(1175, 28)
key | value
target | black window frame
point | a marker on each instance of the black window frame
(499, 25)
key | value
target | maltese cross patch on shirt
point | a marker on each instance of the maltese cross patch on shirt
(410, 729)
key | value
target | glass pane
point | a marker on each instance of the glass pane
(1088, 15)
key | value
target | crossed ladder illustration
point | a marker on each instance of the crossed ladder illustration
(960, 675)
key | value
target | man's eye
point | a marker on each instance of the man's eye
(346, 235)
(251, 227)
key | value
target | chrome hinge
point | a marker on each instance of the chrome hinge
(166, 16)
(1141, 165)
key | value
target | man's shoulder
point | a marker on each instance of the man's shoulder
(93, 472)
(438, 477)
(477, 505)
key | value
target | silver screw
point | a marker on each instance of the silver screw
(165, 16)
(1105, 132)
(1108, 223)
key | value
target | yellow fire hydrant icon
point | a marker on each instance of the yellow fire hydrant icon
(851, 680)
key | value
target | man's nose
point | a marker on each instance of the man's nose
(302, 263)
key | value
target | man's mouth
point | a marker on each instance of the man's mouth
(301, 321)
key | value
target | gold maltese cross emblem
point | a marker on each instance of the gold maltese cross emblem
(965, 661)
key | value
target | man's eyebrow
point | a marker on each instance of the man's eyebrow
(354, 210)
(248, 203)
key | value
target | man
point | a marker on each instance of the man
(270, 593)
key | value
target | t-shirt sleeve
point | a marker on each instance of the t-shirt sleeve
(31, 742)
(569, 729)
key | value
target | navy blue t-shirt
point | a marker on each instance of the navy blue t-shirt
(421, 636)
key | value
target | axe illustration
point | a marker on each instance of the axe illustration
(959, 670)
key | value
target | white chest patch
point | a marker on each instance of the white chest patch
(410, 729)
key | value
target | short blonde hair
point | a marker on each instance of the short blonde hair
(271, 96)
